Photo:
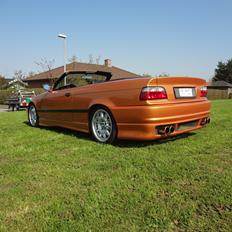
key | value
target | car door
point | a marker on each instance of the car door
(67, 104)
(57, 106)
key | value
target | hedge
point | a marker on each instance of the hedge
(4, 94)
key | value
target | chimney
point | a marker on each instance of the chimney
(108, 63)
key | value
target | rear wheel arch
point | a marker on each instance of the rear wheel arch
(96, 106)
(92, 110)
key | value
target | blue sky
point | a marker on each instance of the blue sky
(179, 37)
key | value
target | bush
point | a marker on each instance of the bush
(230, 95)
(4, 94)
(37, 90)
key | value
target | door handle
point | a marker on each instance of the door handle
(67, 94)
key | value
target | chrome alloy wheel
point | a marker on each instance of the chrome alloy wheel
(32, 115)
(102, 125)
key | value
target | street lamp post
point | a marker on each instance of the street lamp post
(63, 36)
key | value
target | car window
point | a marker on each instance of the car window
(79, 79)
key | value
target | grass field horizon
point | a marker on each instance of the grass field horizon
(60, 180)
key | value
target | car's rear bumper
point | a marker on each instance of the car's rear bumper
(141, 122)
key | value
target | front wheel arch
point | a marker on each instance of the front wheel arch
(37, 116)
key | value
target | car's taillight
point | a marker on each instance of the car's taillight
(153, 93)
(203, 91)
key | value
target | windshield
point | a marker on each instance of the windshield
(79, 79)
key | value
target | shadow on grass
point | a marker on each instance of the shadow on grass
(64, 131)
(133, 143)
(118, 143)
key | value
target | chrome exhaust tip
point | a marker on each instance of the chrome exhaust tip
(167, 129)
(172, 129)
(203, 121)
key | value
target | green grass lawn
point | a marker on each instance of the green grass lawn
(60, 180)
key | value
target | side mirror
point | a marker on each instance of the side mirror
(46, 87)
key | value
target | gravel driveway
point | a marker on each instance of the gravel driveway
(3, 108)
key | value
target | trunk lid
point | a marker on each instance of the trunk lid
(179, 89)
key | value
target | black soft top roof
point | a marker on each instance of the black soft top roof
(107, 74)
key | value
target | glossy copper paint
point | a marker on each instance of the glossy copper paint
(135, 119)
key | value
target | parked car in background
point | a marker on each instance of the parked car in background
(20, 100)
(130, 108)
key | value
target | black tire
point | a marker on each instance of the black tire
(111, 134)
(32, 122)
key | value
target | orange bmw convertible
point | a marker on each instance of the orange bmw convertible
(130, 108)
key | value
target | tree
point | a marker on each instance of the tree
(93, 60)
(73, 59)
(90, 59)
(147, 75)
(3, 82)
(223, 72)
(164, 75)
(98, 60)
(160, 75)
(46, 65)
(31, 74)
(17, 83)
(18, 75)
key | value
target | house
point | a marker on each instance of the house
(219, 85)
(15, 84)
(8, 80)
(49, 77)
(219, 90)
